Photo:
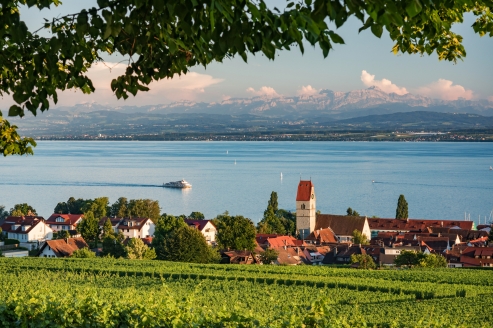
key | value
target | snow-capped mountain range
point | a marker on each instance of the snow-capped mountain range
(326, 103)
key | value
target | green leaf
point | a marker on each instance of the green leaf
(15, 110)
(336, 37)
(413, 8)
(377, 30)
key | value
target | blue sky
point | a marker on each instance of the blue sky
(292, 73)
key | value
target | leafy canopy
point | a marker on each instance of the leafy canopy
(364, 261)
(22, 209)
(175, 241)
(235, 232)
(163, 38)
(359, 238)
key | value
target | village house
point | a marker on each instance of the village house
(27, 230)
(59, 222)
(206, 228)
(477, 257)
(136, 227)
(322, 237)
(114, 223)
(417, 225)
(389, 254)
(62, 247)
(237, 257)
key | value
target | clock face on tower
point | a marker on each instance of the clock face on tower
(313, 196)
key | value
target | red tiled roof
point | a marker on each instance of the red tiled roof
(25, 218)
(70, 219)
(289, 256)
(114, 221)
(323, 236)
(341, 225)
(471, 261)
(65, 247)
(304, 190)
(200, 224)
(261, 238)
(137, 223)
(416, 224)
(281, 241)
(29, 221)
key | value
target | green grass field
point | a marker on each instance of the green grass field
(109, 293)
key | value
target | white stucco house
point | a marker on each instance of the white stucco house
(136, 227)
(205, 227)
(58, 222)
(27, 229)
(62, 247)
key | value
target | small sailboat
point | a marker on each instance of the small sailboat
(235, 161)
(281, 175)
(226, 152)
(491, 168)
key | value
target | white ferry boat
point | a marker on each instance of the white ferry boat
(177, 184)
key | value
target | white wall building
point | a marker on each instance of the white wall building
(206, 228)
(137, 227)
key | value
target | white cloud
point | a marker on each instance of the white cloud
(264, 92)
(307, 91)
(445, 90)
(188, 86)
(384, 84)
(490, 98)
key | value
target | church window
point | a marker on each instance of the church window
(302, 206)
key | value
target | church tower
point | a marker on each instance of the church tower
(306, 209)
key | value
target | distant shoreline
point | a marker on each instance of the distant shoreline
(468, 136)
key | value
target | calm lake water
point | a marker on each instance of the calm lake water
(439, 180)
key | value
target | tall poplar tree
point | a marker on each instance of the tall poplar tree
(401, 212)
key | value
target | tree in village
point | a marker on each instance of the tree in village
(83, 253)
(364, 261)
(197, 216)
(351, 212)
(89, 228)
(269, 256)
(3, 212)
(144, 208)
(22, 209)
(175, 241)
(98, 206)
(165, 227)
(62, 234)
(107, 229)
(113, 246)
(235, 232)
(359, 238)
(161, 39)
(271, 223)
(432, 261)
(490, 236)
(119, 209)
(275, 220)
(401, 211)
(419, 259)
(137, 250)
